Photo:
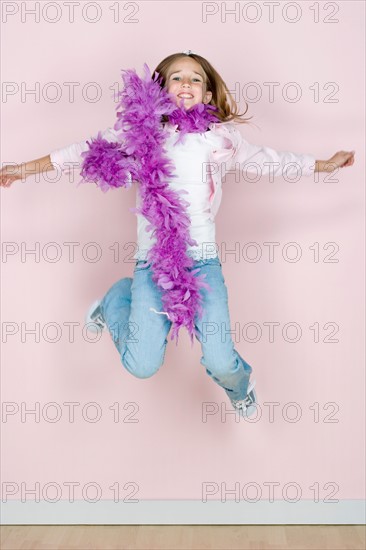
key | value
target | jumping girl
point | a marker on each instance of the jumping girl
(176, 135)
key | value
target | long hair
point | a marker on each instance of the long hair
(228, 109)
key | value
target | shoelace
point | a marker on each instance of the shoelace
(98, 320)
(244, 403)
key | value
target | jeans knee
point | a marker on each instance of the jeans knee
(138, 366)
(142, 373)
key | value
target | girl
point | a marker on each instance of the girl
(212, 144)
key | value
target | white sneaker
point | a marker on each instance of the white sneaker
(248, 406)
(94, 316)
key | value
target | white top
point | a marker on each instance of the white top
(192, 158)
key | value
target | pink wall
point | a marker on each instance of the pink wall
(169, 452)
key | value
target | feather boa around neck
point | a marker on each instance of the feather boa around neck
(195, 119)
(139, 155)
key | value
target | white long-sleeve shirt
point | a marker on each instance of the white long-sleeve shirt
(197, 162)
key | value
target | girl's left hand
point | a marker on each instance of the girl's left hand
(341, 159)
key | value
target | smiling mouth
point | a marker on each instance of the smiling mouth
(185, 96)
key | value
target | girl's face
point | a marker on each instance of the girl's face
(186, 80)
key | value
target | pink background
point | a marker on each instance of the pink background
(170, 452)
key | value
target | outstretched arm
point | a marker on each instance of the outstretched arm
(66, 159)
(265, 160)
(260, 159)
(69, 158)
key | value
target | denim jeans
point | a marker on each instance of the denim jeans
(140, 334)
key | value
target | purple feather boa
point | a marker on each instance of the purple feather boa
(140, 156)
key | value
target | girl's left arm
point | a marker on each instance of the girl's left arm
(251, 157)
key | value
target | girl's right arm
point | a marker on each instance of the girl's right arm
(12, 172)
(65, 159)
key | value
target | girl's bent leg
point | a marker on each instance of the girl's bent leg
(140, 335)
(116, 307)
(223, 363)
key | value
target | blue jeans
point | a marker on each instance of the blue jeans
(140, 334)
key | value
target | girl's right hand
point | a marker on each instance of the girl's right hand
(9, 174)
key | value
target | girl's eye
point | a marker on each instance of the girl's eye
(176, 77)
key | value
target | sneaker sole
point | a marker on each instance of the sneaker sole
(251, 386)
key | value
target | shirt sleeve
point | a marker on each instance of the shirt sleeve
(69, 158)
(263, 160)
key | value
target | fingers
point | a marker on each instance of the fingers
(5, 182)
(350, 159)
(4, 179)
(8, 174)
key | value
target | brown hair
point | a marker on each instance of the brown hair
(221, 97)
